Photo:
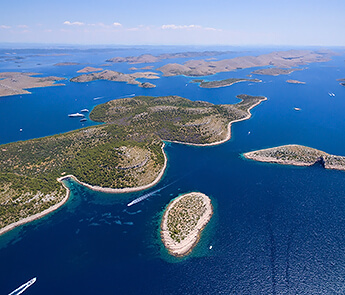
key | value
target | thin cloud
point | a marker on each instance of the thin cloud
(117, 24)
(73, 23)
(187, 27)
(22, 26)
(4, 27)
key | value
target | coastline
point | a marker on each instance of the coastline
(121, 190)
(186, 245)
(36, 216)
(228, 135)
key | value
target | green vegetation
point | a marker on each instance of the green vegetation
(222, 83)
(184, 216)
(124, 152)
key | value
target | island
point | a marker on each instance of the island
(342, 82)
(67, 63)
(297, 155)
(14, 83)
(89, 70)
(274, 71)
(278, 59)
(142, 68)
(149, 58)
(222, 83)
(295, 82)
(124, 154)
(118, 77)
(183, 221)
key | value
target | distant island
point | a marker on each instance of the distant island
(119, 77)
(278, 59)
(183, 220)
(143, 68)
(125, 154)
(149, 58)
(274, 71)
(14, 83)
(89, 70)
(222, 83)
(297, 155)
(67, 63)
(295, 82)
(342, 82)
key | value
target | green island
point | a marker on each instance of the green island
(222, 83)
(183, 221)
(297, 155)
(118, 77)
(124, 154)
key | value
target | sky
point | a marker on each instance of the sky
(176, 22)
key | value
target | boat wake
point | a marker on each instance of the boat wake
(128, 95)
(145, 196)
(23, 287)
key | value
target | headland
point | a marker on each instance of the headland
(222, 83)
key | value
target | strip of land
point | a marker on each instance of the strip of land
(119, 77)
(183, 221)
(14, 83)
(67, 63)
(222, 83)
(149, 58)
(295, 82)
(285, 60)
(274, 71)
(124, 154)
(89, 70)
(297, 155)
(342, 81)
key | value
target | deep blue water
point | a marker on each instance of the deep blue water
(276, 229)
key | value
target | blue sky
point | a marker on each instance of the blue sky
(177, 22)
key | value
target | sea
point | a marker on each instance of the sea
(275, 230)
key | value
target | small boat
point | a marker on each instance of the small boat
(23, 287)
(210, 247)
(84, 111)
(76, 115)
(297, 109)
(83, 120)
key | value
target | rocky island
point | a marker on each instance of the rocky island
(274, 71)
(89, 70)
(279, 59)
(222, 83)
(67, 63)
(183, 221)
(118, 77)
(295, 82)
(124, 154)
(14, 83)
(297, 155)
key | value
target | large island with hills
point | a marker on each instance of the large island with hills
(297, 155)
(183, 220)
(124, 154)
(14, 83)
(283, 60)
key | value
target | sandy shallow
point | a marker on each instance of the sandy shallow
(186, 245)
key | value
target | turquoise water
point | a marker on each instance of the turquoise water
(276, 229)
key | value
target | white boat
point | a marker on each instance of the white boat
(23, 287)
(76, 115)
(84, 111)
(297, 109)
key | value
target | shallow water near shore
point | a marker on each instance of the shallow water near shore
(276, 229)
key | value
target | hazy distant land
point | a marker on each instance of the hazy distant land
(13, 83)
(278, 59)
(149, 58)
(67, 63)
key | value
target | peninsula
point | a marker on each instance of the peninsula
(278, 59)
(297, 155)
(275, 71)
(222, 83)
(183, 221)
(14, 83)
(124, 154)
(295, 82)
(149, 58)
(118, 77)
